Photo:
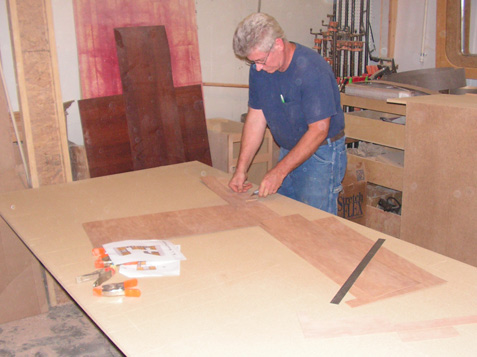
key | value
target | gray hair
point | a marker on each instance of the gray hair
(257, 31)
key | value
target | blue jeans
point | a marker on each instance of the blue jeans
(317, 182)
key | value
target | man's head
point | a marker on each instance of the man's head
(256, 36)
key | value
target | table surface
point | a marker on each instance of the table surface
(240, 292)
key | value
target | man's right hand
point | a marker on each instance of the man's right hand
(238, 183)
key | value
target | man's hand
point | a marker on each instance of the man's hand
(238, 183)
(271, 182)
(302, 151)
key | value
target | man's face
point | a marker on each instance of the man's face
(268, 61)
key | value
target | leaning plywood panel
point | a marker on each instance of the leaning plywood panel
(440, 178)
(39, 91)
(22, 292)
(21, 284)
(11, 172)
(106, 138)
(193, 124)
(152, 115)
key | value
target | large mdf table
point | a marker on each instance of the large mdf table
(241, 292)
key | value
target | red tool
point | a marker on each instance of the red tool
(118, 289)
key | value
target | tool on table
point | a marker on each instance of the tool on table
(254, 193)
(99, 276)
(357, 271)
(104, 260)
(118, 289)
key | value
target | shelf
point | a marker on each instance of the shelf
(366, 125)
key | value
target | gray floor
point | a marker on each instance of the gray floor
(64, 331)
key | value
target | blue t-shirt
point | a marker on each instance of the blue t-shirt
(305, 93)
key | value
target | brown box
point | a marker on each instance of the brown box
(352, 200)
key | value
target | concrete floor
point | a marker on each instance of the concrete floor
(63, 331)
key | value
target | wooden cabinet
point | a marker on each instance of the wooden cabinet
(438, 177)
(225, 137)
(367, 125)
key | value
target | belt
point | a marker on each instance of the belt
(334, 138)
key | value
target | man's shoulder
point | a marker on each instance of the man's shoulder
(306, 58)
(305, 51)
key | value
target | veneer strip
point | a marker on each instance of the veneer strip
(314, 327)
(336, 250)
(164, 225)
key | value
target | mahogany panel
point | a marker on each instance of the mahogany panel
(193, 124)
(151, 107)
(105, 133)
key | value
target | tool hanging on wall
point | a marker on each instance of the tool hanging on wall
(343, 42)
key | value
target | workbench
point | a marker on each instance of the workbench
(241, 292)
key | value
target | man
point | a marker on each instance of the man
(294, 91)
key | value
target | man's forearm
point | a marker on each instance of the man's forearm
(252, 137)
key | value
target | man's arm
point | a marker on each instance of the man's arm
(252, 137)
(308, 144)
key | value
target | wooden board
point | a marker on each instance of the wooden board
(41, 106)
(21, 283)
(236, 285)
(440, 180)
(327, 244)
(336, 250)
(367, 126)
(152, 114)
(193, 124)
(95, 21)
(105, 133)
(380, 173)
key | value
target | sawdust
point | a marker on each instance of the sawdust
(63, 331)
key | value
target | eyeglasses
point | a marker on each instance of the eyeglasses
(261, 62)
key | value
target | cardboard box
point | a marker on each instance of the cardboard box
(352, 200)
(376, 218)
(384, 222)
